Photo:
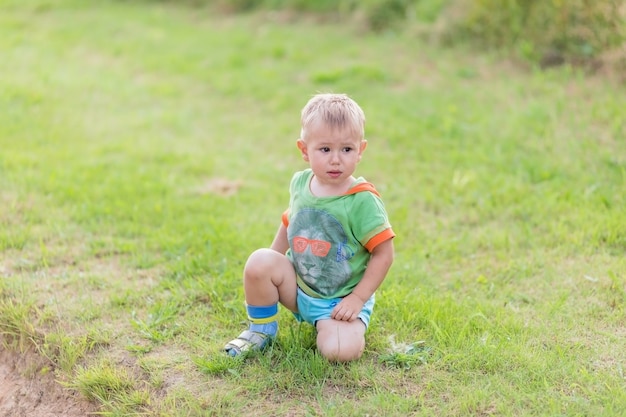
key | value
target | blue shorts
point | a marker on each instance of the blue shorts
(312, 309)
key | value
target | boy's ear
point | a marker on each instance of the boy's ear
(303, 149)
(362, 148)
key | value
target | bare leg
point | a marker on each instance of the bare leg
(341, 341)
(269, 277)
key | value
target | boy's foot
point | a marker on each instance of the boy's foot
(247, 340)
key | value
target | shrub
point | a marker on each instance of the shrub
(548, 32)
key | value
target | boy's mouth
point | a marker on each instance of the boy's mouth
(334, 174)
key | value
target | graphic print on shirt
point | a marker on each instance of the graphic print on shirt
(320, 250)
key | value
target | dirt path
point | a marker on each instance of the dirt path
(37, 396)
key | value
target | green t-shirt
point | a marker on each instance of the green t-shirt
(330, 238)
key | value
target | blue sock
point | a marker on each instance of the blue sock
(263, 319)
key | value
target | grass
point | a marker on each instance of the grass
(146, 150)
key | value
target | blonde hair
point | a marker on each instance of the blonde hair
(336, 111)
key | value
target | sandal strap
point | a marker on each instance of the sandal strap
(253, 337)
(248, 340)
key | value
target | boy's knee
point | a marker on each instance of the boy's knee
(337, 349)
(258, 263)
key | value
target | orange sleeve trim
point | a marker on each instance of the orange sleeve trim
(379, 238)
(285, 218)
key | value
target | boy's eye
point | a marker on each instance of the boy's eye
(347, 149)
(325, 149)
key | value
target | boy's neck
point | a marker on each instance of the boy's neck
(330, 190)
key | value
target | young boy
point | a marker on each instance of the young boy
(334, 246)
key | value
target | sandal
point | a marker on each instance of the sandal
(247, 340)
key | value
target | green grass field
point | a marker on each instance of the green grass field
(146, 150)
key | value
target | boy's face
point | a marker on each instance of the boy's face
(332, 154)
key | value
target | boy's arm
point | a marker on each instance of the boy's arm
(377, 267)
(280, 243)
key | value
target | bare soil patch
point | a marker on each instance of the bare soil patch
(37, 395)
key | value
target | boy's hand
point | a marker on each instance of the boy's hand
(348, 309)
